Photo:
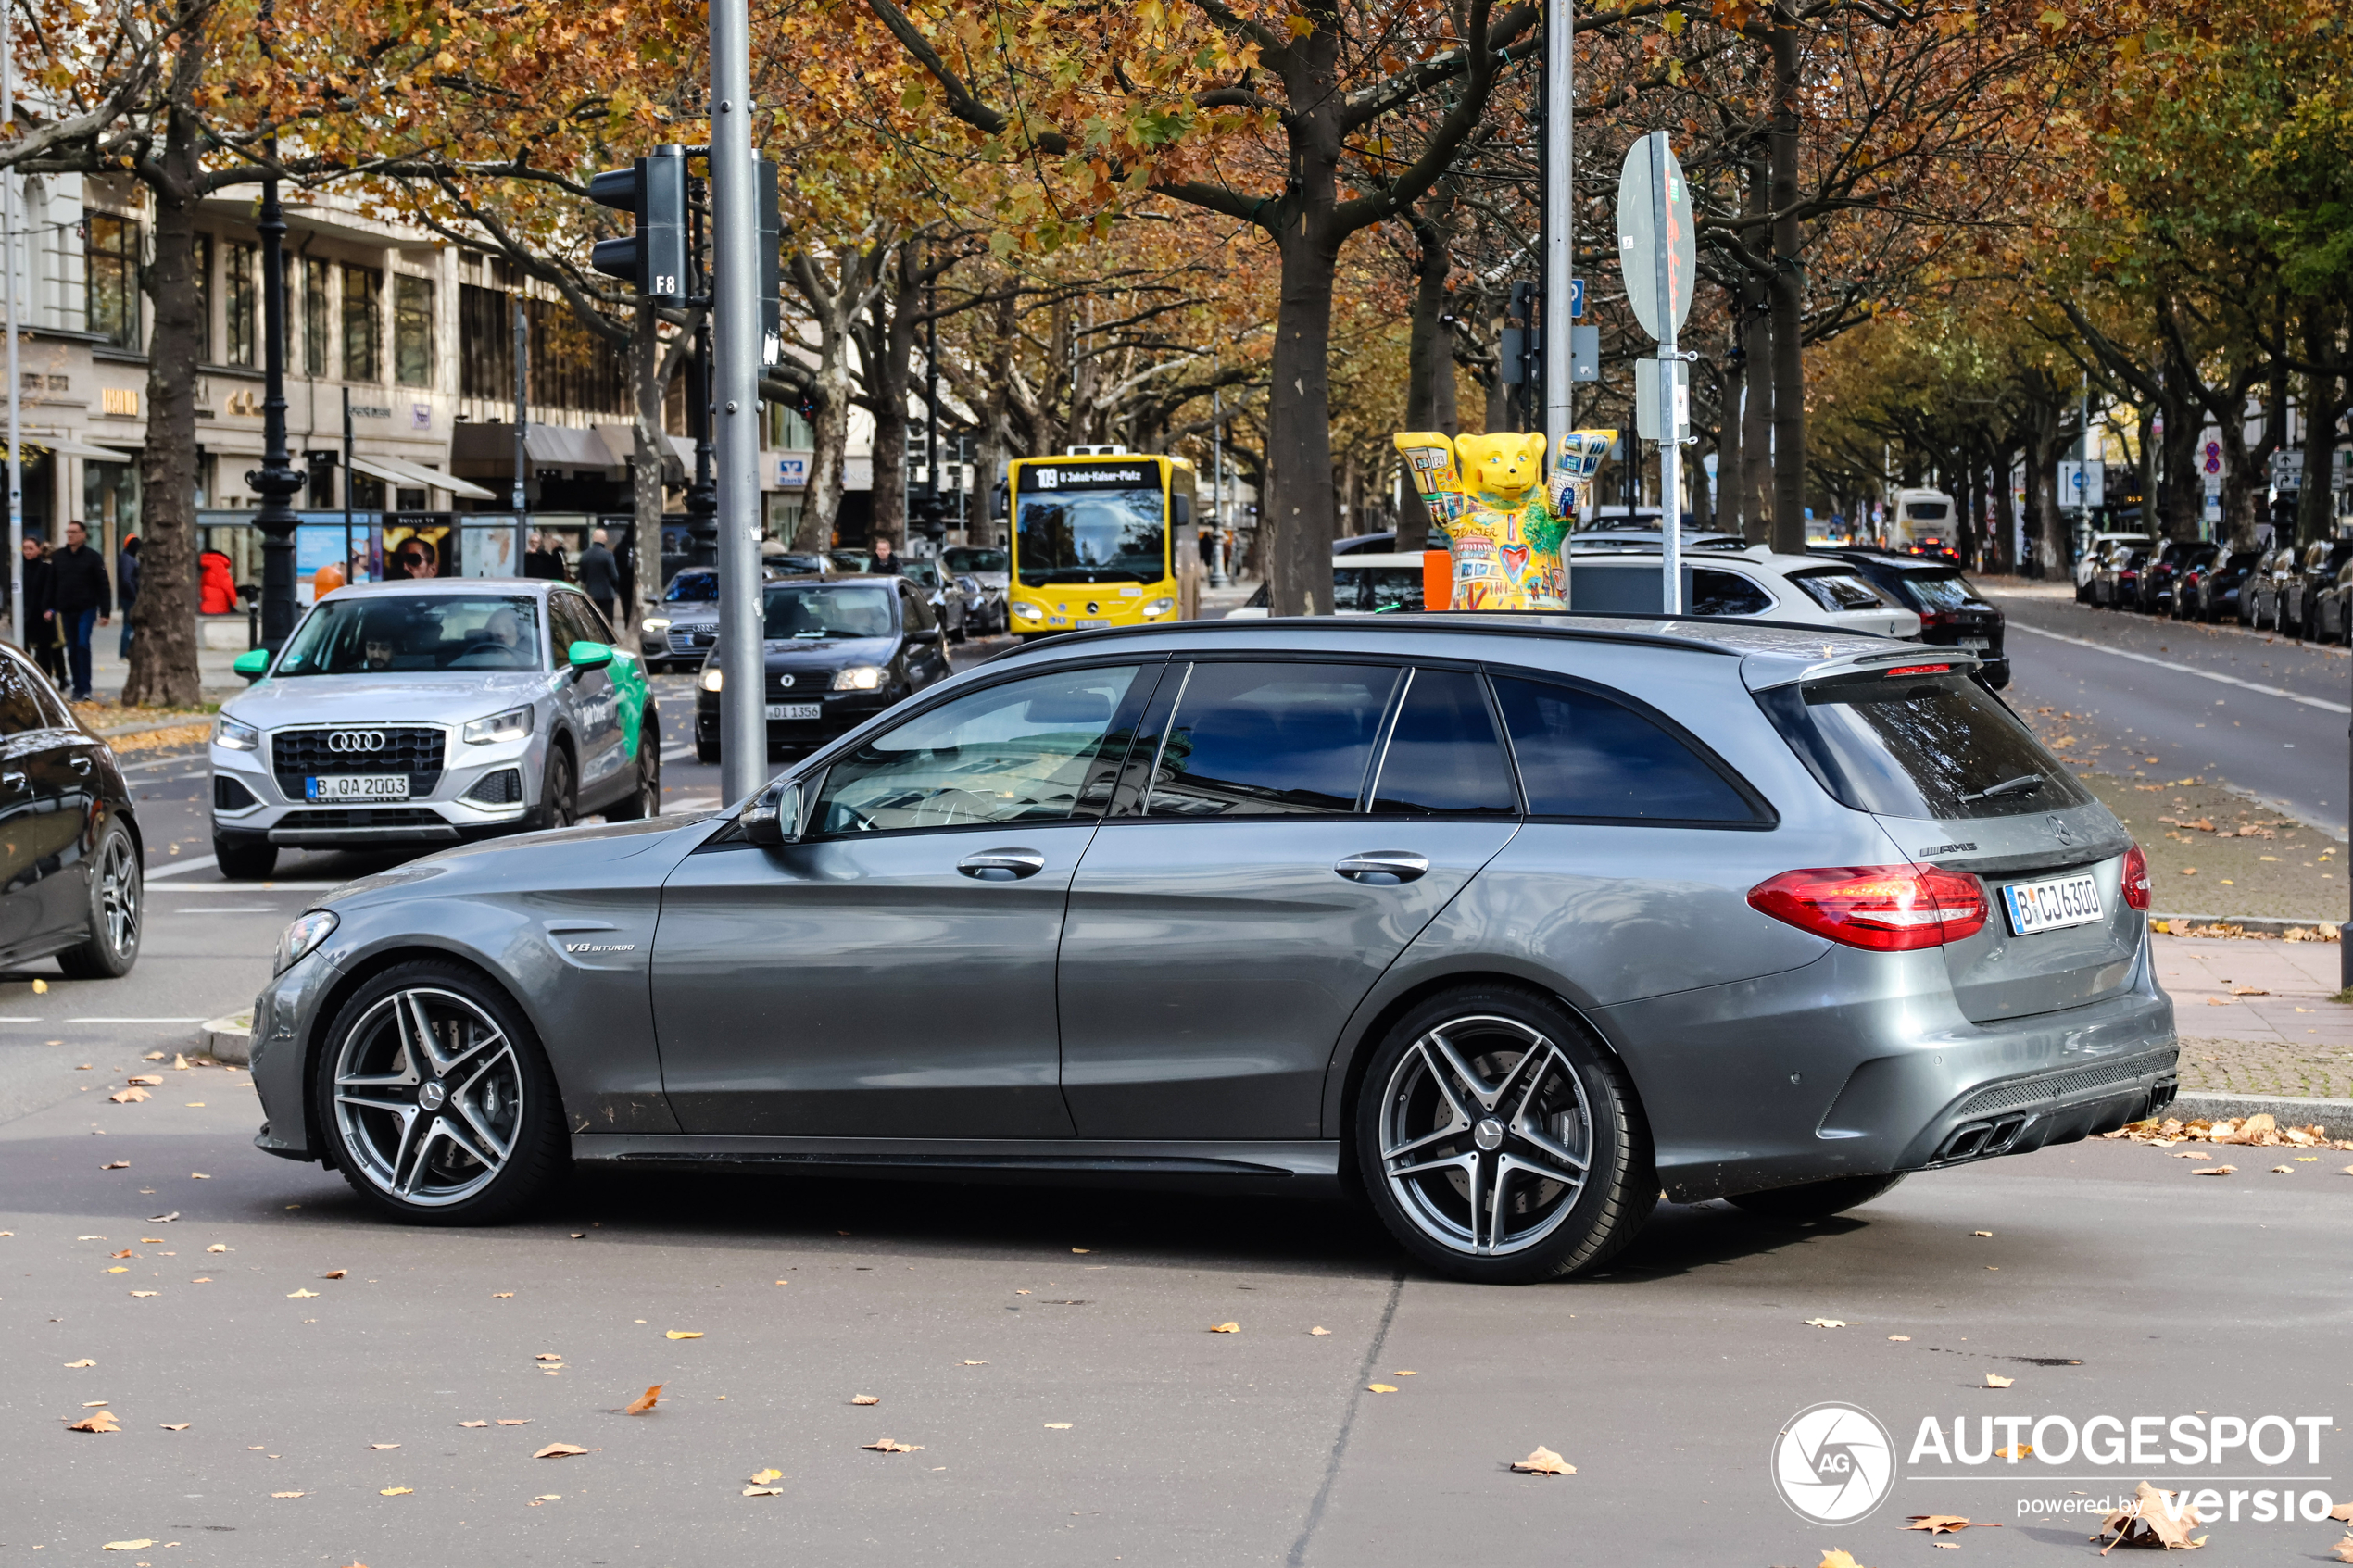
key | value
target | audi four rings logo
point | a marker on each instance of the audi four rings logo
(356, 740)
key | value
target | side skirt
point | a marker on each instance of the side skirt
(1308, 1168)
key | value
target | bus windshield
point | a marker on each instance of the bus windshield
(1091, 536)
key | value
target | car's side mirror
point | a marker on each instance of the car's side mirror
(923, 635)
(772, 820)
(253, 664)
(585, 656)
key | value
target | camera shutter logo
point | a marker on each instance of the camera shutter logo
(1833, 1463)
(356, 740)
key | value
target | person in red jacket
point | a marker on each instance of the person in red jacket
(219, 589)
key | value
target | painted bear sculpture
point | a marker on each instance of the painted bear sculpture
(1503, 518)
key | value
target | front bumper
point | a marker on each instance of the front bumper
(839, 713)
(468, 801)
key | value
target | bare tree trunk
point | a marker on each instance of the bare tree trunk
(1729, 429)
(887, 346)
(1429, 346)
(831, 303)
(1298, 516)
(1788, 298)
(996, 419)
(2316, 506)
(645, 487)
(163, 669)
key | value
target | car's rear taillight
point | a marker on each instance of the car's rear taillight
(1886, 908)
(2136, 878)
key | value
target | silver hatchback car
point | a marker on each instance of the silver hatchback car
(1506, 923)
(432, 712)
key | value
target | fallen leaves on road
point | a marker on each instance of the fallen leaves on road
(2261, 1129)
(97, 1421)
(1381, 1388)
(145, 1082)
(124, 1253)
(1836, 1558)
(559, 1450)
(548, 1356)
(474, 1423)
(1995, 1380)
(163, 1219)
(175, 1425)
(514, 1421)
(1544, 1461)
(140, 1545)
(2214, 1171)
(287, 1494)
(502, 1295)
(300, 1295)
(384, 1444)
(1947, 1524)
(82, 1363)
(218, 1246)
(2283, 1169)
(393, 1491)
(865, 1398)
(1319, 1330)
(1981, 1233)
(885, 1446)
(1901, 1338)
(976, 1363)
(2190, 1154)
(116, 1165)
(2154, 1518)
(128, 1096)
(143, 1293)
(1828, 1322)
(683, 1333)
(1082, 1249)
(547, 1497)
(761, 1477)
(763, 1491)
(1058, 1427)
(2014, 1452)
(2344, 1550)
(334, 1274)
(644, 1401)
(1226, 1328)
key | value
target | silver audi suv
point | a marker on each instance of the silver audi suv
(432, 712)
(1506, 923)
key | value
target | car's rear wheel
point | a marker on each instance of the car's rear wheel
(1499, 1143)
(116, 888)
(436, 1100)
(646, 799)
(244, 859)
(1816, 1200)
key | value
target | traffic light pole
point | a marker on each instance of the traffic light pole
(734, 403)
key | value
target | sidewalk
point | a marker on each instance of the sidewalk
(2254, 1017)
(219, 681)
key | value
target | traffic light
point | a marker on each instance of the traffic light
(653, 191)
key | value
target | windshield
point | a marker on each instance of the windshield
(411, 633)
(693, 587)
(1092, 536)
(853, 609)
(1935, 747)
(923, 571)
(964, 559)
(1838, 590)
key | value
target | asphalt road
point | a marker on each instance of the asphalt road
(2261, 712)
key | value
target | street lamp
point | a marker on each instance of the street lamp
(275, 481)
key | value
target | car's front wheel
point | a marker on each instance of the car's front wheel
(116, 888)
(436, 1100)
(1499, 1142)
(646, 799)
(560, 794)
(244, 859)
(1816, 1200)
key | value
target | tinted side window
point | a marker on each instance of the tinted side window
(1256, 740)
(1445, 755)
(1726, 593)
(566, 626)
(1026, 751)
(1582, 755)
(19, 708)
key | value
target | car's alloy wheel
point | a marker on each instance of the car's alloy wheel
(117, 890)
(436, 1100)
(646, 799)
(561, 806)
(1499, 1143)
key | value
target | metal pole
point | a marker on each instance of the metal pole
(16, 433)
(736, 328)
(275, 481)
(347, 471)
(1217, 577)
(1560, 218)
(522, 415)
(1670, 452)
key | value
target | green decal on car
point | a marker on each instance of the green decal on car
(628, 672)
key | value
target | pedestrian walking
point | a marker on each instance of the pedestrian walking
(600, 575)
(540, 562)
(126, 581)
(40, 621)
(82, 599)
(886, 564)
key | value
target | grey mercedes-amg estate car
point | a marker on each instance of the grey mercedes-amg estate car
(1506, 923)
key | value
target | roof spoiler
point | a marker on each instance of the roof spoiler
(1912, 658)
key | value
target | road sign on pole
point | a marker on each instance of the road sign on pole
(1661, 261)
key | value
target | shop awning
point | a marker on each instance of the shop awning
(394, 470)
(70, 448)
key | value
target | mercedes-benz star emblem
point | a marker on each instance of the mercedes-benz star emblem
(432, 1095)
(2059, 830)
(356, 740)
(784, 680)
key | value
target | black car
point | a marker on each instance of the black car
(2163, 575)
(72, 866)
(2211, 586)
(839, 653)
(1952, 611)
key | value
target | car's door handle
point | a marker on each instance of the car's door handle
(1002, 865)
(1384, 868)
(78, 764)
(12, 780)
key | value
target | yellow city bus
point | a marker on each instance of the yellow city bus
(1101, 539)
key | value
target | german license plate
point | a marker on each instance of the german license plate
(357, 786)
(1977, 645)
(794, 709)
(2047, 906)
(1094, 622)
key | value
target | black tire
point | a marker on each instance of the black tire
(1414, 1092)
(706, 751)
(383, 1132)
(558, 791)
(118, 883)
(1816, 1200)
(645, 801)
(244, 859)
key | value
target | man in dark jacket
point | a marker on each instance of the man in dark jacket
(126, 576)
(885, 563)
(600, 574)
(83, 597)
(40, 627)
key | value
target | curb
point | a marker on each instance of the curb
(2274, 924)
(2289, 1111)
(228, 1039)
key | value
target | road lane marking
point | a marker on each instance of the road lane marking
(2321, 703)
(134, 1021)
(227, 908)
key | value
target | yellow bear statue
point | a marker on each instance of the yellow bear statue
(1503, 523)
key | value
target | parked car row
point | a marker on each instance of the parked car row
(686, 627)
(2296, 590)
